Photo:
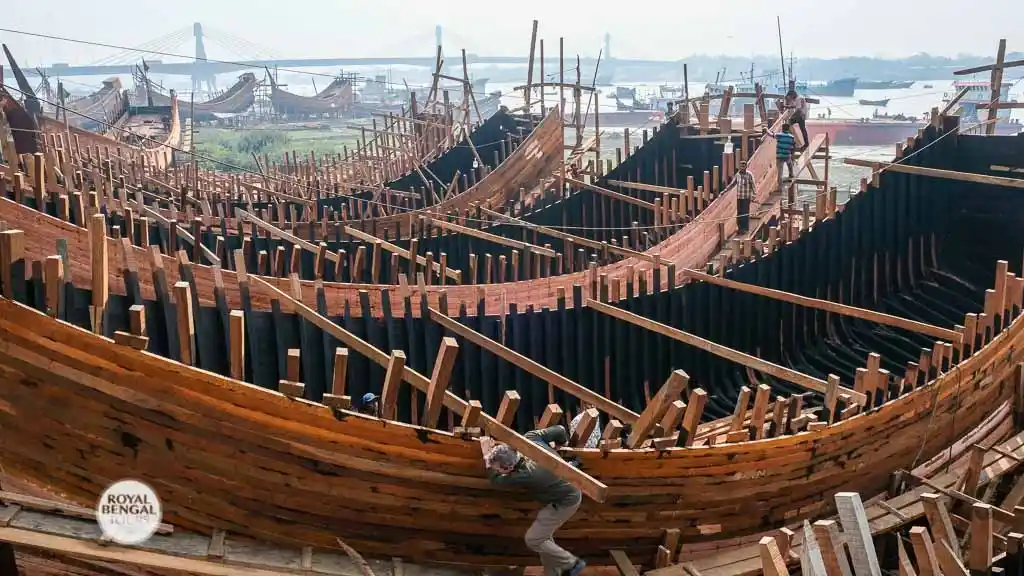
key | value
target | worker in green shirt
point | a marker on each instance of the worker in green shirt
(505, 466)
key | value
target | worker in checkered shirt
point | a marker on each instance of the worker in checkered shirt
(745, 188)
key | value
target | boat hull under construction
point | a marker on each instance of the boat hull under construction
(79, 411)
(236, 99)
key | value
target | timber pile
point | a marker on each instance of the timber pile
(950, 544)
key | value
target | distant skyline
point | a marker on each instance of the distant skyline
(332, 28)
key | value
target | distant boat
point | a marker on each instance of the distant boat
(884, 84)
(842, 87)
(884, 102)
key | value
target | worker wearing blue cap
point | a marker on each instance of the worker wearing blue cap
(370, 404)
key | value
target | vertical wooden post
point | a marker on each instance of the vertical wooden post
(53, 279)
(98, 262)
(337, 398)
(236, 340)
(392, 381)
(443, 366)
(186, 323)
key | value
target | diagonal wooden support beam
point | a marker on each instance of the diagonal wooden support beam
(440, 223)
(650, 187)
(989, 67)
(613, 409)
(402, 252)
(956, 99)
(780, 372)
(657, 407)
(938, 173)
(842, 309)
(443, 366)
(612, 194)
(626, 252)
(586, 483)
(284, 235)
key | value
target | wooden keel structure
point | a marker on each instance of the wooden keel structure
(222, 370)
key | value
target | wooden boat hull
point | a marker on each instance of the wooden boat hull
(236, 99)
(79, 411)
(335, 99)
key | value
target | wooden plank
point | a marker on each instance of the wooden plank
(740, 412)
(656, 408)
(586, 483)
(443, 366)
(588, 396)
(578, 240)
(988, 67)
(996, 85)
(402, 252)
(938, 519)
(811, 561)
(284, 235)
(186, 323)
(100, 273)
(780, 372)
(236, 341)
(133, 556)
(830, 544)
(694, 411)
(938, 173)
(949, 561)
(771, 558)
(905, 567)
(834, 307)
(392, 380)
(924, 551)
(858, 534)
(979, 553)
(623, 563)
(509, 405)
(492, 237)
(612, 194)
(53, 279)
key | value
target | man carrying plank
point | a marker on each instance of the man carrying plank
(505, 466)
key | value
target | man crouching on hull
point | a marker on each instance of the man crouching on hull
(561, 499)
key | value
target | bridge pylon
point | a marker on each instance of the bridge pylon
(200, 70)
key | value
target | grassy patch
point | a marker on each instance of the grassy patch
(220, 146)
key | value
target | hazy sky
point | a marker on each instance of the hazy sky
(667, 30)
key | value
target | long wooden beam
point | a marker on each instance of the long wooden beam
(953, 102)
(613, 409)
(780, 372)
(575, 239)
(835, 307)
(492, 237)
(988, 67)
(612, 194)
(284, 235)
(938, 173)
(586, 483)
(404, 253)
(647, 187)
(132, 556)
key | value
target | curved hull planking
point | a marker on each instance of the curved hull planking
(335, 99)
(236, 99)
(79, 412)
